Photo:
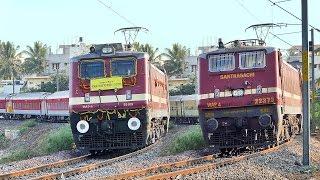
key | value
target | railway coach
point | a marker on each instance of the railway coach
(249, 96)
(118, 99)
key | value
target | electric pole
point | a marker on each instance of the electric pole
(306, 84)
(311, 48)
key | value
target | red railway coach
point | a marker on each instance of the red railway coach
(57, 106)
(249, 96)
(118, 99)
(26, 105)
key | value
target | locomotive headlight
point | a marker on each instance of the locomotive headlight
(128, 95)
(265, 120)
(107, 50)
(216, 93)
(259, 89)
(134, 123)
(82, 126)
(237, 92)
(212, 124)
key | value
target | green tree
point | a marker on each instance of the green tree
(51, 86)
(36, 62)
(153, 52)
(9, 60)
(176, 63)
(184, 89)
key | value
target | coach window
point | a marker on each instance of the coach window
(249, 60)
(123, 67)
(91, 69)
(221, 62)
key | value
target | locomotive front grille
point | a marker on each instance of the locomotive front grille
(111, 141)
(242, 139)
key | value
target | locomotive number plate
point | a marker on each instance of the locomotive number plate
(265, 100)
(213, 104)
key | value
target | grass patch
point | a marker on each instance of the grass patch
(57, 141)
(4, 142)
(17, 156)
(26, 125)
(190, 140)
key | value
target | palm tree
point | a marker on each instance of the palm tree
(36, 62)
(153, 53)
(9, 60)
(176, 63)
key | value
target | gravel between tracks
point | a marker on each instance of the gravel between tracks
(29, 140)
(285, 163)
(151, 158)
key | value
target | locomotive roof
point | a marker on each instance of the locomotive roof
(34, 95)
(117, 54)
(3, 95)
(59, 94)
(238, 49)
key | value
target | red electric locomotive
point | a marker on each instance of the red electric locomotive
(118, 99)
(249, 96)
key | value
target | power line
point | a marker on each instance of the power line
(274, 35)
(296, 32)
(114, 11)
(275, 3)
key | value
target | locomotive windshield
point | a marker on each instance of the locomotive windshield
(221, 62)
(254, 59)
(123, 67)
(91, 69)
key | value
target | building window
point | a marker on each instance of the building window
(55, 66)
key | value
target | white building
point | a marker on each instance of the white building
(60, 60)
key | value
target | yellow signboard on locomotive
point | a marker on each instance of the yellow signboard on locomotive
(106, 83)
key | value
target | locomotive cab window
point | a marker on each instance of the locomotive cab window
(221, 62)
(92, 69)
(249, 60)
(123, 67)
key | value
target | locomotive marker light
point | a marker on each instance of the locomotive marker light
(237, 92)
(134, 123)
(216, 93)
(82, 126)
(259, 89)
(87, 97)
(128, 94)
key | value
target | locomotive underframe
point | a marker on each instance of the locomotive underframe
(239, 127)
(113, 132)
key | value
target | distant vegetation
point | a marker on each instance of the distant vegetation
(4, 142)
(190, 140)
(57, 141)
(26, 125)
(50, 143)
(185, 89)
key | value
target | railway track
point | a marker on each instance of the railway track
(188, 167)
(75, 166)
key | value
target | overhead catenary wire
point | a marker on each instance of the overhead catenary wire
(114, 11)
(275, 3)
(274, 35)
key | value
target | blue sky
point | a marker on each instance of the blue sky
(191, 23)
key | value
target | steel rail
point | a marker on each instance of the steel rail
(37, 169)
(163, 171)
(92, 166)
